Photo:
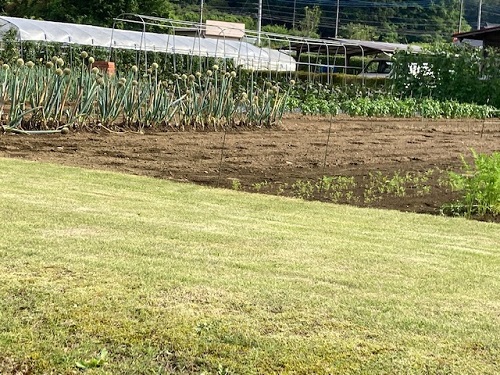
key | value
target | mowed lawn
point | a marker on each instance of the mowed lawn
(115, 274)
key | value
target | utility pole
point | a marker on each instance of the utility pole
(201, 16)
(293, 22)
(479, 14)
(259, 22)
(461, 13)
(337, 19)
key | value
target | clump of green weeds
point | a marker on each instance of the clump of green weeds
(390, 185)
(343, 189)
(337, 188)
(397, 185)
(333, 188)
(479, 183)
(235, 184)
(259, 186)
(303, 189)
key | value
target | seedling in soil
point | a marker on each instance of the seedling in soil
(258, 186)
(341, 189)
(235, 184)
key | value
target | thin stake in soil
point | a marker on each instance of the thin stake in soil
(326, 153)
(221, 156)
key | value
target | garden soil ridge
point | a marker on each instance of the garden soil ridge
(279, 157)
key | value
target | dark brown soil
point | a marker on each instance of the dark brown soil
(272, 161)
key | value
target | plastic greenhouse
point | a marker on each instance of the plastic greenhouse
(249, 50)
(243, 53)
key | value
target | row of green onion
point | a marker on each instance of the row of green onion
(49, 97)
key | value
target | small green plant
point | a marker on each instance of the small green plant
(396, 185)
(370, 196)
(235, 184)
(337, 188)
(303, 189)
(351, 197)
(479, 183)
(98, 361)
(282, 188)
(258, 186)
(419, 182)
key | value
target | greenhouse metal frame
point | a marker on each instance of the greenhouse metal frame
(254, 50)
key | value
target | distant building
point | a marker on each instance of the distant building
(215, 29)
(489, 36)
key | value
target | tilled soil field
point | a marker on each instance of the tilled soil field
(397, 164)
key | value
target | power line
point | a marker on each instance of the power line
(413, 24)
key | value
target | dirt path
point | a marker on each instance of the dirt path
(283, 160)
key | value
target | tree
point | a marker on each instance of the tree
(309, 25)
(385, 20)
(95, 12)
(359, 32)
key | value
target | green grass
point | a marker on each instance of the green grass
(130, 275)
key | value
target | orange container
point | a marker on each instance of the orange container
(105, 66)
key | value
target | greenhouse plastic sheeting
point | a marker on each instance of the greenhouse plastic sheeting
(245, 54)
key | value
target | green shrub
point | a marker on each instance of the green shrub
(480, 184)
(447, 72)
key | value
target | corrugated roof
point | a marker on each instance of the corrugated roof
(370, 47)
(478, 34)
(352, 47)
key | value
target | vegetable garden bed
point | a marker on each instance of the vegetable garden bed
(397, 164)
